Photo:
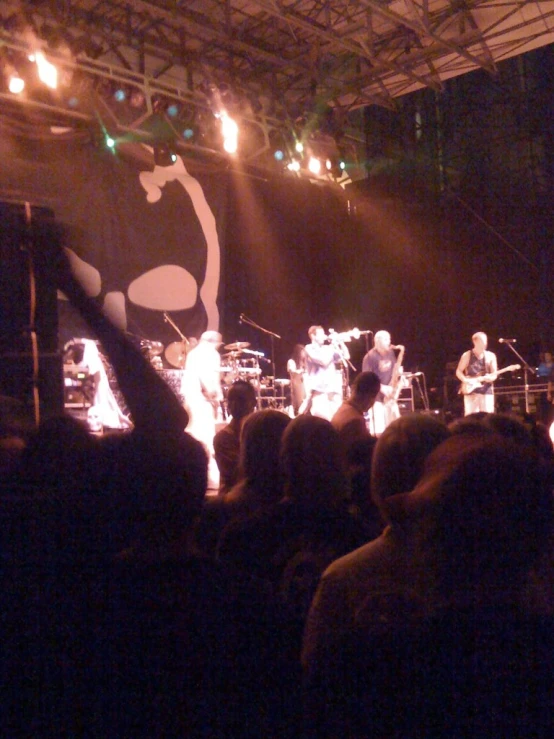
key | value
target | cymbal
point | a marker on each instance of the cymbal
(176, 354)
(237, 346)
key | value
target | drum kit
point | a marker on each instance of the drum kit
(240, 363)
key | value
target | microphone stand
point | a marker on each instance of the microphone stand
(526, 369)
(249, 322)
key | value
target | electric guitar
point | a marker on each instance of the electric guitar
(473, 383)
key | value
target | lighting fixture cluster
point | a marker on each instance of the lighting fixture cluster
(206, 119)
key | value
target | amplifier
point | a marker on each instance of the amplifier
(78, 386)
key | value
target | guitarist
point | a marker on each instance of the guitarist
(383, 361)
(477, 370)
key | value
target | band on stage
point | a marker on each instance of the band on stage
(318, 383)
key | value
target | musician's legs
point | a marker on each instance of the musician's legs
(392, 411)
(335, 402)
(478, 403)
(377, 419)
(320, 406)
(488, 403)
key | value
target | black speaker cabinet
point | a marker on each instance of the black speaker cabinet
(28, 305)
(16, 381)
(28, 291)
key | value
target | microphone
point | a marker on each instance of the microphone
(409, 375)
(365, 333)
(241, 317)
(507, 341)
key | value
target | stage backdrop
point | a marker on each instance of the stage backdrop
(145, 239)
(207, 244)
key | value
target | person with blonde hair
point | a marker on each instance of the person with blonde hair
(477, 370)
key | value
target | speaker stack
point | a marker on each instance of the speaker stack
(30, 362)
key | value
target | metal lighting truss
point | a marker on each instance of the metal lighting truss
(280, 66)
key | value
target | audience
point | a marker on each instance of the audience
(290, 544)
(385, 563)
(241, 401)
(261, 483)
(114, 625)
(460, 657)
(349, 421)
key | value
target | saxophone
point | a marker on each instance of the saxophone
(395, 379)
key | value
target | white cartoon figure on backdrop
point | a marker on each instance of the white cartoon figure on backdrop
(167, 287)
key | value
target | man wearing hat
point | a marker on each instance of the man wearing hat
(201, 388)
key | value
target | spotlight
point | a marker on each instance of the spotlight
(294, 166)
(314, 165)
(16, 84)
(110, 143)
(299, 146)
(47, 72)
(172, 110)
(279, 155)
(342, 165)
(137, 99)
(188, 134)
(230, 132)
(120, 95)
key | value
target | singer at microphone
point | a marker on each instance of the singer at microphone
(507, 341)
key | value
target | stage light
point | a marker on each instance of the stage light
(47, 72)
(16, 84)
(120, 95)
(172, 110)
(110, 143)
(294, 166)
(299, 146)
(230, 132)
(329, 164)
(279, 155)
(342, 165)
(314, 165)
(137, 99)
(188, 133)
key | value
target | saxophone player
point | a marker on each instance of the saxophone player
(387, 366)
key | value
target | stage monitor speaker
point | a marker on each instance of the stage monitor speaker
(406, 401)
(29, 237)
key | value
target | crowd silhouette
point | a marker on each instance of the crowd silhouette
(337, 587)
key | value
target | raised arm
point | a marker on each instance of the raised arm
(153, 405)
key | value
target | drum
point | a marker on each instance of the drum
(228, 374)
(249, 370)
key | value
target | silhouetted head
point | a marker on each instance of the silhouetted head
(489, 512)
(241, 399)
(261, 437)
(400, 454)
(365, 389)
(312, 462)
